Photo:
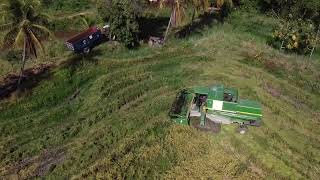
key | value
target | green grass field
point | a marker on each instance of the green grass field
(105, 116)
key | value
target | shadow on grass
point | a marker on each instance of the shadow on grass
(316, 55)
(154, 26)
(30, 79)
(206, 20)
(77, 59)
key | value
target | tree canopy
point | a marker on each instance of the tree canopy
(122, 17)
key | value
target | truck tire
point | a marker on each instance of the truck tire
(86, 50)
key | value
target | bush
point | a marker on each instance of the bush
(305, 9)
(122, 17)
(295, 36)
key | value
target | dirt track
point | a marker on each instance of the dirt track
(30, 78)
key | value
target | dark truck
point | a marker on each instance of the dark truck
(84, 42)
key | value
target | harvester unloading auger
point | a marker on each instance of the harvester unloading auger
(215, 105)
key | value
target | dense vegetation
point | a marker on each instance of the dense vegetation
(123, 19)
(105, 115)
(70, 5)
(306, 9)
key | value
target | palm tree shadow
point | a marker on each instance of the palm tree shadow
(197, 26)
(152, 26)
(30, 78)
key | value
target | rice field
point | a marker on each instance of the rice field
(105, 116)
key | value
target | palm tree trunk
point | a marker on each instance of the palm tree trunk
(317, 36)
(193, 15)
(192, 19)
(168, 27)
(23, 62)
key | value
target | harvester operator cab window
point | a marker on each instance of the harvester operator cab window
(228, 97)
(200, 99)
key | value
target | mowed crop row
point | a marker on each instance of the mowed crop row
(55, 118)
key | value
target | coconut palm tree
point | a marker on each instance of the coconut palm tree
(178, 12)
(178, 7)
(220, 3)
(24, 28)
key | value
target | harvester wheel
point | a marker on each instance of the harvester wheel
(255, 123)
(242, 129)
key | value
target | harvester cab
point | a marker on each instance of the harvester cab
(215, 104)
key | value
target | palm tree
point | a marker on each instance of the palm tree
(85, 17)
(24, 28)
(179, 8)
(221, 3)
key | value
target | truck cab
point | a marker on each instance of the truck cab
(84, 42)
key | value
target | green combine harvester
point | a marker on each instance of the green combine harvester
(214, 106)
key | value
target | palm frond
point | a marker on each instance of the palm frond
(6, 27)
(35, 41)
(3, 6)
(19, 40)
(73, 16)
(9, 38)
(24, 25)
(84, 21)
(30, 47)
(41, 18)
(221, 3)
(42, 30)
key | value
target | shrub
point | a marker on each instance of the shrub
(295, 36)
(122, 17)
(306, 9)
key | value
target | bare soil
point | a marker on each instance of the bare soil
(30, 78)
(44, 162)
(210, 126)
(48, 160)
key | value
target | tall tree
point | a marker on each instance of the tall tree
(178, 12)
(24, 28)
